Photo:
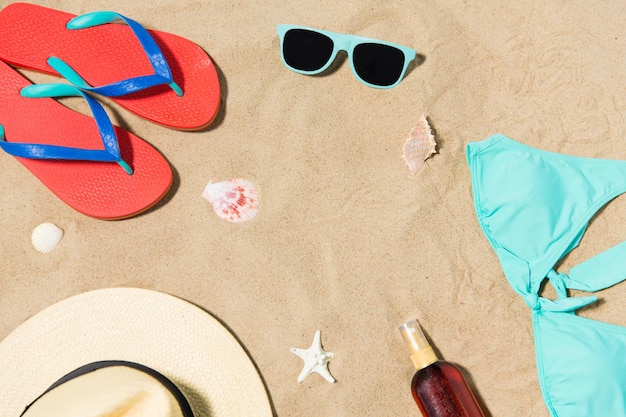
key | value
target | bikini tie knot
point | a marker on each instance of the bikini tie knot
(532, 300)
(563, 303)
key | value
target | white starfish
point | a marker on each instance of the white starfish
(315, 359)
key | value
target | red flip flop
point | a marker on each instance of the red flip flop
(75, 155)
(126, 57)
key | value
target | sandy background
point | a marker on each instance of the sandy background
(347, 241)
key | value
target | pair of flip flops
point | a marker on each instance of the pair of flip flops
(97, 168)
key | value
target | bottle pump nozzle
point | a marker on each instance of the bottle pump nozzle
(422, 354)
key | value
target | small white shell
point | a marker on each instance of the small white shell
(46, 237)
(235, 200)
(419, 146)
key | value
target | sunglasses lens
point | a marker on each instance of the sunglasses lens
(378, 64)
(306, 50)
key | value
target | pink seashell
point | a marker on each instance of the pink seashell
(235, 200)
(419, 146)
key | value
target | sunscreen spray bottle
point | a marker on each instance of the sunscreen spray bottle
(438, 387)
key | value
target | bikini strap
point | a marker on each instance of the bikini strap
(599, 272)
(563, 303)
(518, 274)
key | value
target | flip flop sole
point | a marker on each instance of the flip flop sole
(98, 189)
(30, 34)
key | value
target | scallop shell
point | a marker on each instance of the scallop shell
(420, 145)
(235, 200)
(46, 237)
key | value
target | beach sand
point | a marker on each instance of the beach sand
(346, 241)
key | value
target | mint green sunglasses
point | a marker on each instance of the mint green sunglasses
(375, 63)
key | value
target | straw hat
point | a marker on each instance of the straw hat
(173, 337)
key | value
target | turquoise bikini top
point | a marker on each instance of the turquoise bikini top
(534, 207)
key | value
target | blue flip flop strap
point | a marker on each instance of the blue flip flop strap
(162, 73)
(110, 153)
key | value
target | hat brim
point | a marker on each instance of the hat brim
(172, 336)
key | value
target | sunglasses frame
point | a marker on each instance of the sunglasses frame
(347, 43)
